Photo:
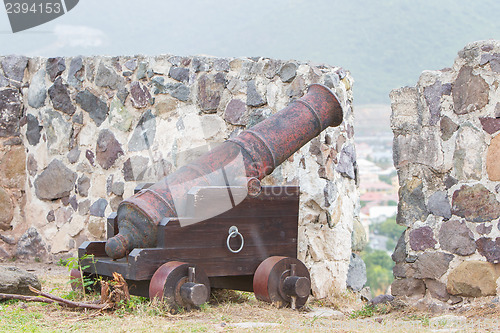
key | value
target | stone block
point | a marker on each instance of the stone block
(14, 280)
(408, 287)
(457, 238)
(475, 204)
(473, 279)
(470, 92)
(55, 182)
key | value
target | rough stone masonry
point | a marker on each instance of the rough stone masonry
(447, 153)
(77, 134)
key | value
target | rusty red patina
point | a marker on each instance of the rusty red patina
(251, 156)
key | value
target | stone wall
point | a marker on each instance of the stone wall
(446, 151)
(79, 133)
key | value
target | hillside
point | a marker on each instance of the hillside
(385, 44)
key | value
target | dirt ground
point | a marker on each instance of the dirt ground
(236, 312)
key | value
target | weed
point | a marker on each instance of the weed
(367, 311)
(85, 283)
(424, 319)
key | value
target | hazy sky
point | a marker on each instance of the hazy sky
(385, 44)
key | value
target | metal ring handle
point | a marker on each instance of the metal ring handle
(233, 232)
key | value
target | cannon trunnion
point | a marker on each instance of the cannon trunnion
(251, 247)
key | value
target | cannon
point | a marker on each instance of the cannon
(211, 224)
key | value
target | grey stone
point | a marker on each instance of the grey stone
(73, 155)
(331, 80)
(33, 130)
(107, 77)
(122, 95)
(432, 265)
(356, 275)
(55, 182)
(8, 239)
(3, 81)
(51, 216)
(449, 182)
(6, 210)
(179, 73)
(470, 92)
(235, 112)
(447, 127)
(296, 88)
(178, 61)
(432, 95)
(411, 206)
(475, 203)
(59, 96)
(489, 248)
(200, 65)
(131, 64)
(76, 71)
(77, 118)
(98, 207)
(73, 202)
(139, 94)
(55, 67)
(141, 70)
(408, 287)
(422, 239)
(134, 168)
(382, 299)
(288, 72)
(403, 270)
(108, 149)
(181, 92)
(97, 108)
(83, 186)
(467, 157)
(257, 115)
(483, 229)
(209, 93)
(89, 154)
(159, 85)
(84, 207)
(493, 59)
(271, 68)
(221, 65)
(57, 130)
(14, 280)
(144, 133)
(118, 188)
(37, 92)
(31, 245)
(11, 108)
(13, 68)
(455, 237)
(437, 289)
(400, 253)
(31, 165)
(439, 204)
(253, 97)
(341, 73)
(347, 161)
(120, 116)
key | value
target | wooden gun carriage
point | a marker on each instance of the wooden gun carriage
(165, 250)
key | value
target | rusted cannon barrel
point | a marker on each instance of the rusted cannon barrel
(252, 155)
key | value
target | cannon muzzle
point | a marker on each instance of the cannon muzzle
(240, 162)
